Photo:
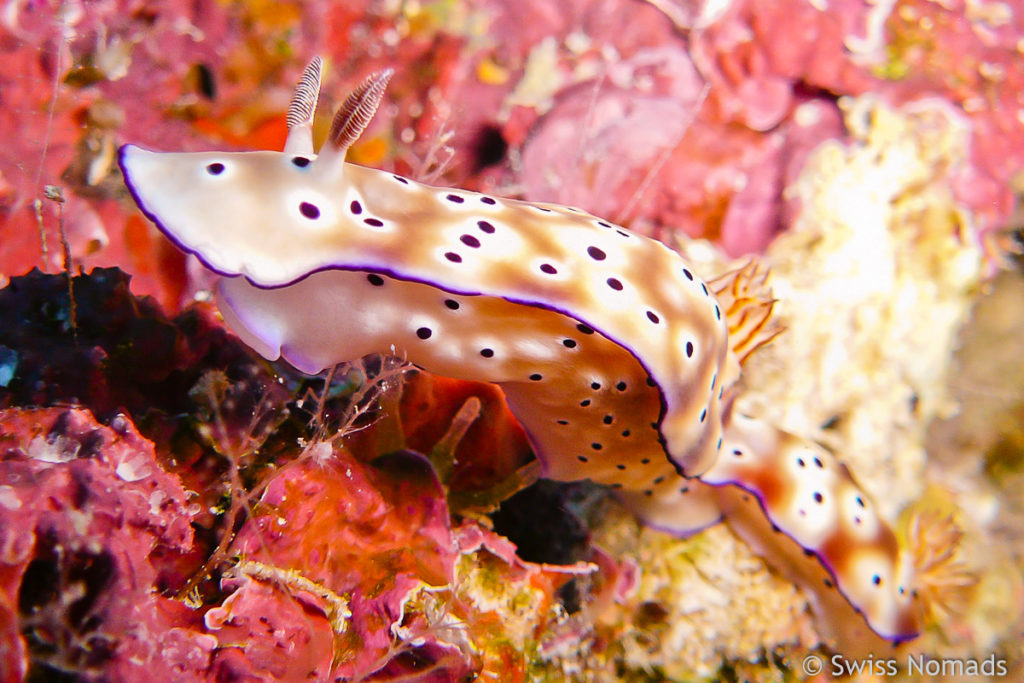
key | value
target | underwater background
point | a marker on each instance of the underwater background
(172, 506)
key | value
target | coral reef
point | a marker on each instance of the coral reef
(99, 529)
(92, 525)
(171, 506)
(975, 459)
(882, 250)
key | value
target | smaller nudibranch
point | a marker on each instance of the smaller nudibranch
(617, 359)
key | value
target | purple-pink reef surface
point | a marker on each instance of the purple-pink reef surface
(169, 505)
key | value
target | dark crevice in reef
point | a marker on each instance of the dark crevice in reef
(126, 356)
(489, 148)
(550, 521)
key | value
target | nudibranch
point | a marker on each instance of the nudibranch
(618, 360)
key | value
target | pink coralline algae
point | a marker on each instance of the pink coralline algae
(91, 526)
(760, 57)
(72, 76)
(674, 171)
(372, 533)
(93, 522)
(274, 630)
(380, 534)
(707, 119)
(705, 130)
(968, 54)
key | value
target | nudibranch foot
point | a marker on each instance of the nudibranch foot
(686, 509)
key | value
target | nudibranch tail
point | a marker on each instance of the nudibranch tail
(355, 115)
(302, 108)
(809, 497)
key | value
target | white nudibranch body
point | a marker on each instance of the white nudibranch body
(612, 353)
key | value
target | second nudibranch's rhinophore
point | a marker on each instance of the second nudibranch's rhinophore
(614, 355)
